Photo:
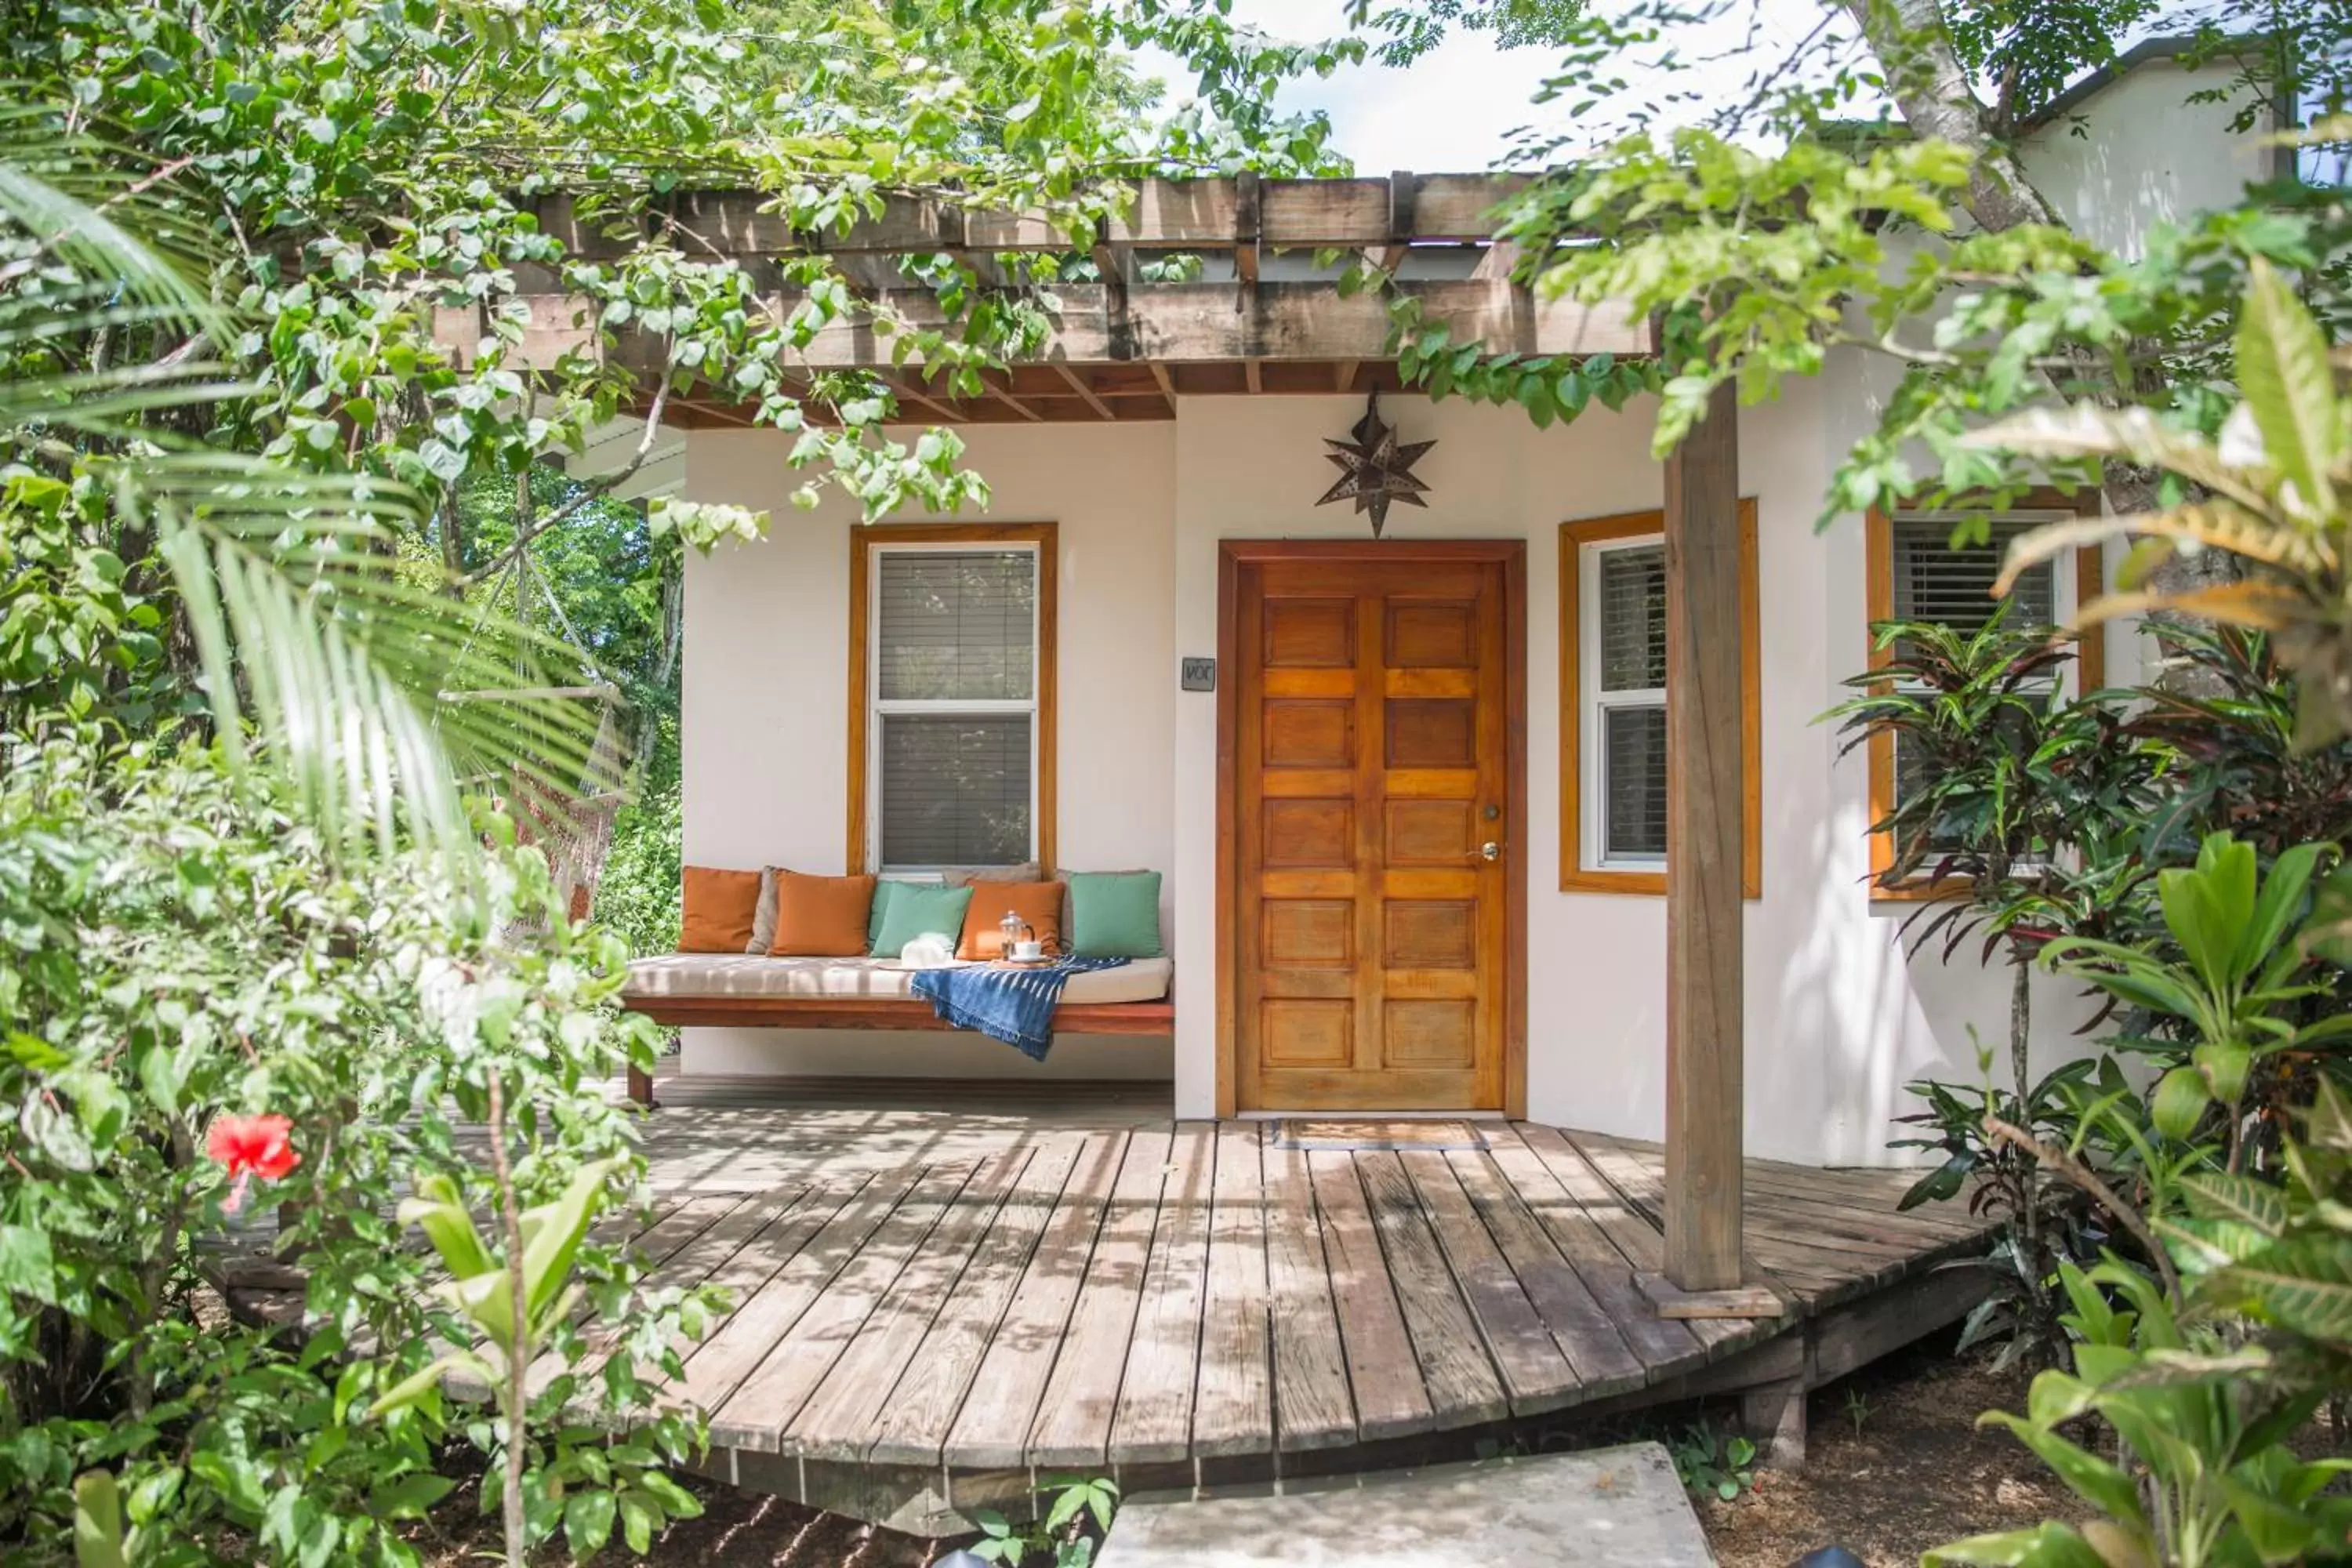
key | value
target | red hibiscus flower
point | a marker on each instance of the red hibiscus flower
(249, 1146)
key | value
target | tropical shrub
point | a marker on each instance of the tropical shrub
(2204, 1474)
(2246, 960)
(175, 951)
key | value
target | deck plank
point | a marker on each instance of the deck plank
(1603, 1362)
(1154, 1419)
(1383, 1373)
(1233, 1412)
(1639, 1188)
(762, 1409)
(837, 1421)
(1074, 1419)
(1535, 1374)
(1454, 1363)
(914, 1425)
(825, 1245)
(1607, 1246)
(992, 1428)
(1313, 1408)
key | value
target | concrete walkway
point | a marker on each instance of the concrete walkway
(1607, 1508)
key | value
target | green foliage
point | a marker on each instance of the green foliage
(2269, 490)
(1059, 1531)
(2243, 963)
(171, 949)
(2041, 1224)
(2205, 1476)
(2281, 1254)
(1714, 1464)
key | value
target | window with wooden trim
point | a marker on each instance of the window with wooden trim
(951, 696)
(1612, 722)
(1915, 573)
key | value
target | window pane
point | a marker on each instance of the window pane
(1633, 746)
(957, 625)
(1933, 582)
(955, 791)
(1633, 620)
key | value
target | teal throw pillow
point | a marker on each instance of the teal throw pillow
(883, 887)
(1115, 914)
(917, 909)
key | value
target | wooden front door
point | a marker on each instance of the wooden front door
(1375, 758)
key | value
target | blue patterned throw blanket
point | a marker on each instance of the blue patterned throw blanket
(1015, 1006)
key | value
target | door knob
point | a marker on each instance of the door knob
(1489, 850)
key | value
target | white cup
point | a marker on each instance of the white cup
(1028, 952)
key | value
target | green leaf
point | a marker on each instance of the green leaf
(409, 1497)
(27, 1265)
(2283, 369)
(2051, 1545)
(2241, 1198)
(2096, 1481)
(2180, 1103)
(97, 1522)
(588, 1522)
(2304, 1285)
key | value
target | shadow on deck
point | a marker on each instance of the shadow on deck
(933, 1309)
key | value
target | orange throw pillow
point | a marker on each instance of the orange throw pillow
(1039, 903)
(718, 910)
(821, 917)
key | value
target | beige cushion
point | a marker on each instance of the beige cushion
(728, 974)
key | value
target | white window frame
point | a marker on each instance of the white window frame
(1594, 704)
(878, 709)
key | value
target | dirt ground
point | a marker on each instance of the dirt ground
(1895, 1467)
(1895, 1464)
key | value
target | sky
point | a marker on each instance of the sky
(1454, 109)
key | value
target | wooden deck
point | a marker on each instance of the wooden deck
(938, 1296)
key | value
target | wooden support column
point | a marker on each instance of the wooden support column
(1704, 854)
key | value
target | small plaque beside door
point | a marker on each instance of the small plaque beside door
(1199, 674)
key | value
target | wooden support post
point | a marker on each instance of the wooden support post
(641, 1086)
(1774, 1415)
(1704, 854)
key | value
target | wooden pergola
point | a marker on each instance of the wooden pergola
(1263, 316)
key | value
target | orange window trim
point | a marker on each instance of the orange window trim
(1878, 568)
(863, 539)
(1575, 876)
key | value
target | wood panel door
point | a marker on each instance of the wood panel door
(1373, 751)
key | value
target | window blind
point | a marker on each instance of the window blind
(1633, 620)
(957, 626)
(1634, 742)
(955, 789)
(1934, 582)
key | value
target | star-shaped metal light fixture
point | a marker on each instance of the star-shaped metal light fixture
(1375, 467)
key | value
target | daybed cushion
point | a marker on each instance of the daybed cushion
(821, 917)
(740, 974)
(715, 908)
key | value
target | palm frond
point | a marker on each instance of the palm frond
(323, 658)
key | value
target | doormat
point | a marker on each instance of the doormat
(1375, 1133)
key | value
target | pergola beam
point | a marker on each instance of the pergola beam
(1178, 323)
(1200, 214)
(1704, 855)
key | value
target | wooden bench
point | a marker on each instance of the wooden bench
(871, 1013)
